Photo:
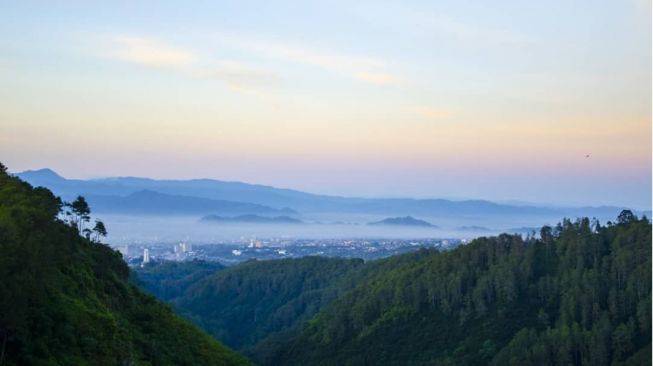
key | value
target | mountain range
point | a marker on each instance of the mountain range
(131, 195)
(251, 219)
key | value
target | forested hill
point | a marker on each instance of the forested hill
(169, 280)
(579, 295)
(65, 300)
(249, 302)
(252, 305)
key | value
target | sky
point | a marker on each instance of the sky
(546, 102)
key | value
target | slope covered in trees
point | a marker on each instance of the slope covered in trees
(579, 294)
(65, 299)
(246, 303)
(169, 280)
(253, 305)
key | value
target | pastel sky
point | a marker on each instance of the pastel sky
(499, 100)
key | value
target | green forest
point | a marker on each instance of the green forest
(65, 298)
(577, 294)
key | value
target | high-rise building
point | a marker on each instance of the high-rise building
(146, 255)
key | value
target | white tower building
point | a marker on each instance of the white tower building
(146, 255)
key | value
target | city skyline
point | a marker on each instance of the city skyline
(546, 103)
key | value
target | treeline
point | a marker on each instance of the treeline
(253, 304)
(249, 302)
(578, 294)
(65, 299)
(168, 280)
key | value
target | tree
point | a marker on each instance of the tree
(100, 230)
(81, 212)
(546, 234)
(626, 217)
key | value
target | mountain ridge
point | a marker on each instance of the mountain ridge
(403, 221)
(306, 203)
(251, 219)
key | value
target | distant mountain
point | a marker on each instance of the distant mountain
(42, 176)
(473, 228)
(403, 221)
(306, 203)
(155, 203)
(251, 219)
(523, 230)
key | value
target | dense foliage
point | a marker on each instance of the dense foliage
(579, 294)
(65, 299)
(169, 280)
(246, 303)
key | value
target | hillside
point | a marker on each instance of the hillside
(146, 202)
(577, 296)
(403, 221)
(580, 295)
(168, 280)
(248, 302)
(255, 305)
(66, 300)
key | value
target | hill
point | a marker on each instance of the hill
(168, 280)
(66, 300)
(403, 221)
(579, 294)
(251, 219)
(155, 203)
(473, 228)
(246, 303)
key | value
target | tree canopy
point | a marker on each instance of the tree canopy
(65, 300)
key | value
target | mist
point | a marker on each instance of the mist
(127, 229)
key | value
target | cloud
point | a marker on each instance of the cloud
(240, 76)
(425, 22)
(7, 64)
(371, 70)
(430, 112)
(378, 78)
(158, 55)
(151, 53)
(476, 34)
